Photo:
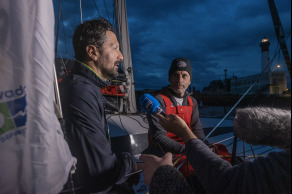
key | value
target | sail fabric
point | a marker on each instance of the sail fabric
(124, 40)
(34, 157)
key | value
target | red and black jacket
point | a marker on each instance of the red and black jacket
(158, 134)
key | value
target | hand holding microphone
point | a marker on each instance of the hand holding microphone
(171, 123)
(150, 104)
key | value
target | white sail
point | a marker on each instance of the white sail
(124, 40)
(34, 157)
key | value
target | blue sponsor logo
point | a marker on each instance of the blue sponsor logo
(13, 113)
(8, 94)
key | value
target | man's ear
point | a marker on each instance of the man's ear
(92, 52)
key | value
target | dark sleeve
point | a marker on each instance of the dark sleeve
(196, 125)
(102, 166)
(159, 134)
(167, 179)
(270, 174)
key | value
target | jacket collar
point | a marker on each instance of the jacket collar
(83, 69)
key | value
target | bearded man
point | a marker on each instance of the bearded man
(97, 55)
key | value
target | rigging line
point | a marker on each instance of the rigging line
(225, 139)
(262, 154)
(109, 117)
(288, 35)
(106, 10)
(266, 151)
(277, 51)
(64, 65)
(243, 149)
(123, 125)
(137, 121)
(64, 35)
(130, 74)
(251, 148)
(279, 58)
(60, 54)
(117, 96)
(250, 157)
(75, 8)
(58, 27)
(233, 154)
(114, 22)
(260, 147)
(81, 12)
(96, 9)
(135, 109)
(232, 142)
(230, 111)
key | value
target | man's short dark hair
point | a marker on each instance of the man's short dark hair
(91, 32)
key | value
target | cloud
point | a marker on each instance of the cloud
(213, 34)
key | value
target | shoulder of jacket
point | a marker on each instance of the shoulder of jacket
(160, 99)
(194, 100)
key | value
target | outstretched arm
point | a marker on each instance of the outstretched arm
(271, 174)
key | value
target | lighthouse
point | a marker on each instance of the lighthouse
(266, 82)
(265, 61)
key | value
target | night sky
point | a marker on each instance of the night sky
(213, 34)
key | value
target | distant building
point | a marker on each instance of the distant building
(267, 82)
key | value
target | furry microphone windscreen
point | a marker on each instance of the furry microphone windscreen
(263, 126)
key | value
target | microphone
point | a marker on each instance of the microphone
(263, 126)
(150, 104)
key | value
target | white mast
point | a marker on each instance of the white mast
(124, 40)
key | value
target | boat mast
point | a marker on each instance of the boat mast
(280, 33)
(124, 40)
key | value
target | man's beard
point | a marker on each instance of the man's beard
(108, 73)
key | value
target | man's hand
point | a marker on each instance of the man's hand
(174, 124)
(151, 163)
(135, 178)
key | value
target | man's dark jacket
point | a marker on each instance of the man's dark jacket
(267, 175)
(98, 168)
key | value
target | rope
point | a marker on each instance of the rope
(137, 121)
(58, 26)
(243, 147)
(230, 111)
(251, 156)
(81, 12)
(251, 148)
(121, 124)
(106, 10)
(225, 139)
(96, 8)
(260, 147)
